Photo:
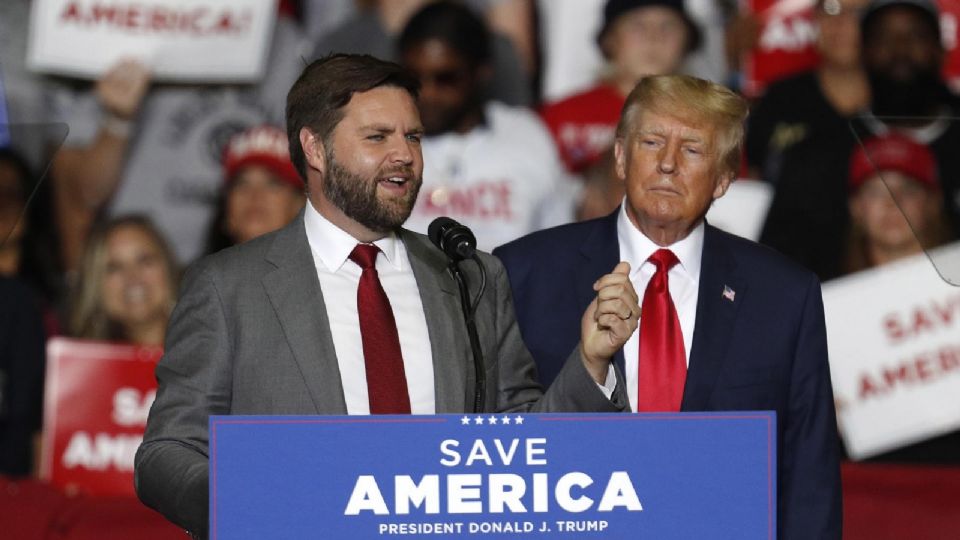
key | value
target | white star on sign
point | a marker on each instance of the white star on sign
(505, 420)
(478, 420)
(492, 420)
(518, 420)
(465, 421)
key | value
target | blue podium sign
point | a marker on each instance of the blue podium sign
(581, 476)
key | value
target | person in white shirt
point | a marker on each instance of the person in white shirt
(311, 319)
(490, 166)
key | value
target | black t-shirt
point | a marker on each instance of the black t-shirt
(809, 217)
(792, 111)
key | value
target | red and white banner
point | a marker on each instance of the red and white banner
(894, 340)
(179, 40)
(96, 400)
(950, 30)
(785, 44)
(787, 39)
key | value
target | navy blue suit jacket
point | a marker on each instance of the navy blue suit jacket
(764, 350)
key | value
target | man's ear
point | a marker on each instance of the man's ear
(723, 184)
(314, 152)
(619, 160)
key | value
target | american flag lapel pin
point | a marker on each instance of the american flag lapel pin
(729, 293)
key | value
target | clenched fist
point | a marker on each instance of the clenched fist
(610, 319)
(122, 88)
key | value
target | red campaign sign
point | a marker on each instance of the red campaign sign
(785, 42)
(96, 400)
(950, 30)
(787, 37)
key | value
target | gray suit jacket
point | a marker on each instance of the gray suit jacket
(250, 335)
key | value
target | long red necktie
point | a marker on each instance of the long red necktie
(386, 380)
(663, 364)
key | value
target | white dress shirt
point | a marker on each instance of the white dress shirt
(339, 279)
(684, 278)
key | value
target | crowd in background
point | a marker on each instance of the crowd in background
(519, 100)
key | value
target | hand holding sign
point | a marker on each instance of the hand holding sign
(122, 88)
(609, 320)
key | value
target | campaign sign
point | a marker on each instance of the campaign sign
(950, 32)
(785, 44)
(178, 40)
(96, 400)
(894, 343)
(610, 476)
(787, 38)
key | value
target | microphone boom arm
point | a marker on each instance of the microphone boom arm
(469, 309)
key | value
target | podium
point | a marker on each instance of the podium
(583, 476)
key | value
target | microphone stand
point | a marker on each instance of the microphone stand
(469, 311)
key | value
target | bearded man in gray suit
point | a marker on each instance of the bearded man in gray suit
(282, 324)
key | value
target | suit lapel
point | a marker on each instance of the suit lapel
(294, 291)
(721, 293)
(600, 253)
(453, 372)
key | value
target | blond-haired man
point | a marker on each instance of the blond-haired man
(725, 323)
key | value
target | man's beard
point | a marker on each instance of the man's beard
(356, 196)
(921, 96)
(438, 120)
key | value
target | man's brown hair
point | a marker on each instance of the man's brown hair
(326, 85)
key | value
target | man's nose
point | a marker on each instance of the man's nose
(667, 158)
(403, 150)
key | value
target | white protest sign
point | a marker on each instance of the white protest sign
(894, 341)
(743, 209)
(179, 40)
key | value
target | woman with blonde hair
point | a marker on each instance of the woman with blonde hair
(127, 284)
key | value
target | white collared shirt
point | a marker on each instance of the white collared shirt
(684, 278)
(339, 278)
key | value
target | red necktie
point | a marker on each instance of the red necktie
(663, 364)
(386, 380)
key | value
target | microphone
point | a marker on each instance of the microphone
(458, 243)
(452, 238)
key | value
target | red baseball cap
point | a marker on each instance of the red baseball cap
(893, 152)
(265, 146)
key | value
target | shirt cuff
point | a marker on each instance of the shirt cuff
(610, 384)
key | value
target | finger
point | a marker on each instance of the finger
(620, 271)
(618, 330)
(616, 306)
(610, 279)
(617, 290)
(608, 321)
(623, 290)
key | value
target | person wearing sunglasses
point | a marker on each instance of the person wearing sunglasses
(488, 165)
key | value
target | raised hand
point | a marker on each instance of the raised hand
(610, 319)
(122, 88)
